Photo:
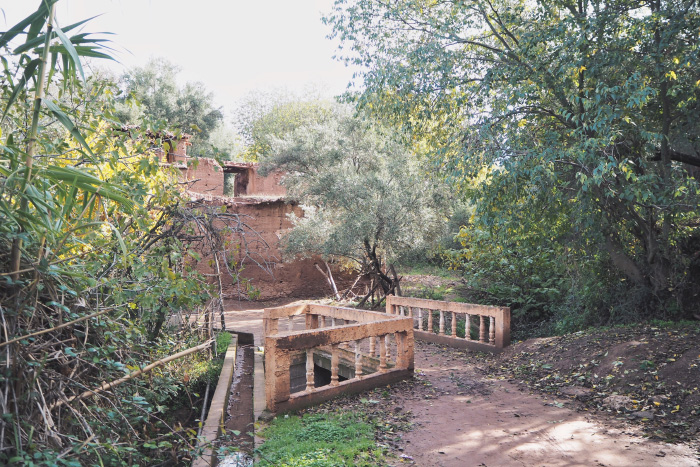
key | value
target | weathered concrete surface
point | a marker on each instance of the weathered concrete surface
(217, 409)
(281, 346)
(244, 316)
(499, 315)
(305, 399)
(299, 340)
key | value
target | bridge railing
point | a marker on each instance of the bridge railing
(463, 325)
(375, 349)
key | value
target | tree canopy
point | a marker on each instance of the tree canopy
(263, 116)
(364, 194)
(578, 114)
(186, 109)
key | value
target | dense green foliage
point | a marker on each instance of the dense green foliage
(320, 440)
(151, 92)
(96, 270)
(571, 128)
(265, 116)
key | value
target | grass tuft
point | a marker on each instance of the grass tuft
(320, 440)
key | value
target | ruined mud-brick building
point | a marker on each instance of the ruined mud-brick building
(260, 201)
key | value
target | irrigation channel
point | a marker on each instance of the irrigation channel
(240, 419)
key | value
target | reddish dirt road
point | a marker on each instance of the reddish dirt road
(464, 419)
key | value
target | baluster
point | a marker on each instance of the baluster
(382, 355)
(454, 324)
(468, 327)
(290, 323)
(335, 361)
(492, 330)
(430, 321)
(420, 319)
(387, 346)
(309, 369)
(410, 312)
(442, 323)
(332, 322)
(482, 329)
(372, 350)
(358, 359)
(311, 321)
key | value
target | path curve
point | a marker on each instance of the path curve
(464, 419)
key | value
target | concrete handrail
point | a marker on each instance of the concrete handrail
(364, 331)
(493, 322)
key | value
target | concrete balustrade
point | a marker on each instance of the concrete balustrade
(336, 353)
(490, 324)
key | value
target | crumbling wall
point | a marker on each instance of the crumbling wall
(250, 183)
(261, 253)
(204, 175)
(262, 208)
(266, 186)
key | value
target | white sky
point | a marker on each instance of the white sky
(233, 47)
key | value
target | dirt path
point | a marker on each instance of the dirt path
(463, 419)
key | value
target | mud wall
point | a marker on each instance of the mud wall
(205, 176)
(267, 221)
(266, 186)
(264, 212)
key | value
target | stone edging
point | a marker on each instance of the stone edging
(217, 409)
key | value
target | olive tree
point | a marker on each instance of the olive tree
(364, 194)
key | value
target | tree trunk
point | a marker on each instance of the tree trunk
(329, 279)
(623, 262)
(396, 280)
